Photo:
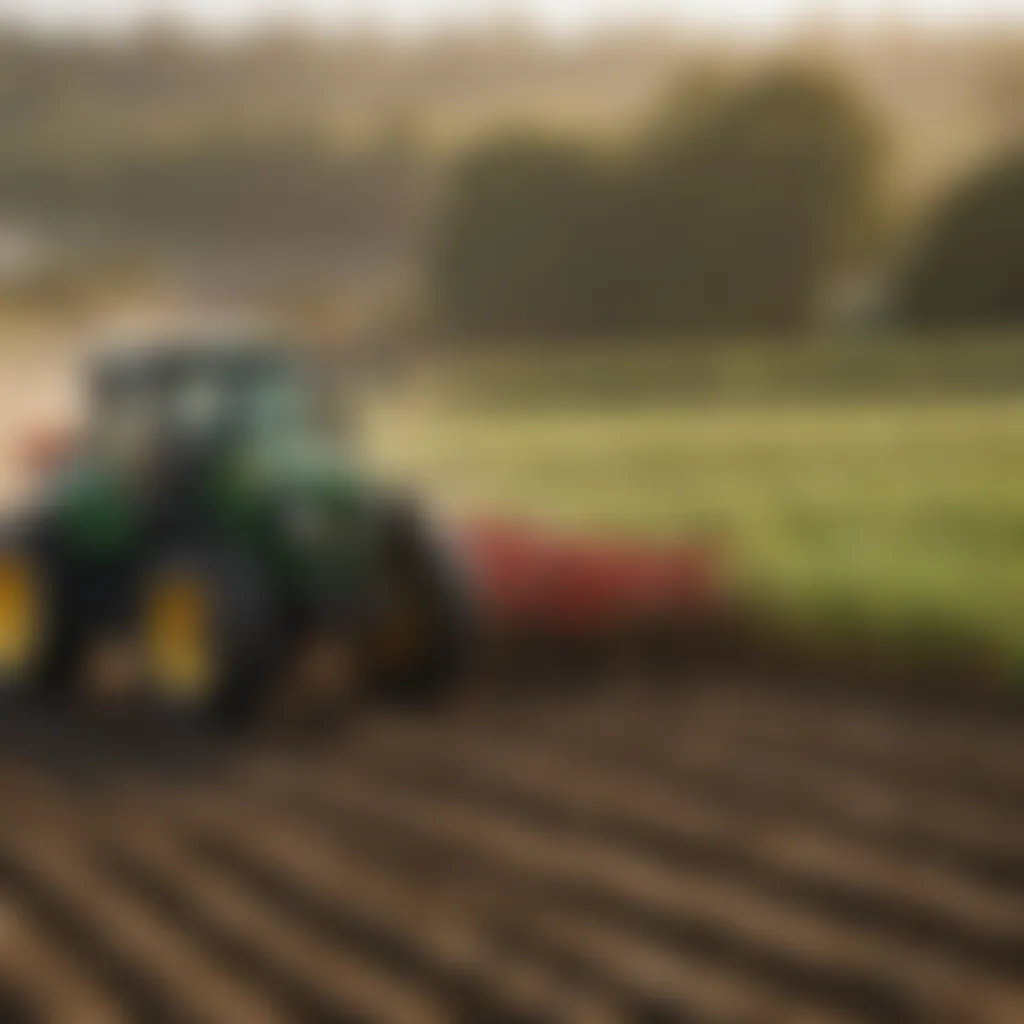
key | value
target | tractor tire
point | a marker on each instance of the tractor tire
(44, 625)
(423, 627)
(213, 640)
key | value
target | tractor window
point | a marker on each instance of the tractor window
(137, 411)
(282, 401)
(124, 421)
(198, 399)
(126, 429)
(197, 407)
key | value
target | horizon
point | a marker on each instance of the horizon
(570, 19)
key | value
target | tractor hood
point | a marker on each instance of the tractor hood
(308, 473)
(304, 512)
(309, 511)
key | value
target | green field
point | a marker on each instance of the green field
(870, 487)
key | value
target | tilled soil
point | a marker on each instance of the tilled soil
(727, 851)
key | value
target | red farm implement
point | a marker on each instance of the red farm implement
(543, 591)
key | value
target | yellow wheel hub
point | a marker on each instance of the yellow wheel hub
(20, 614)
(179, 639)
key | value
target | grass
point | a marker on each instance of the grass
(875, 489)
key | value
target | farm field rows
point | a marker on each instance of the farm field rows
(870, 489)
(548, 860)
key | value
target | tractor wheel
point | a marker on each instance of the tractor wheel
(213, 640)
(422, 631)
(43, 632)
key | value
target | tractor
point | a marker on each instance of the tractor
(210, 547)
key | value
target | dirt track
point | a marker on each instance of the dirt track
(712, 854)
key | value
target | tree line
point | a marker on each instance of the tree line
(748, 199)
(745, 207)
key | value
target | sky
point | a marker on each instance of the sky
(561, 17)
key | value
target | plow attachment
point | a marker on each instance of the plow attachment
(540, 592)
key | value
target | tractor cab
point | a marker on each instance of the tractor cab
(173, 408)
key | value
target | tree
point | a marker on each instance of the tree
(520, 237)
(750, 210)
(969, 268)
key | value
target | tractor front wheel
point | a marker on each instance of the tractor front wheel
(211, 638)
(42, 626)
(222, 646)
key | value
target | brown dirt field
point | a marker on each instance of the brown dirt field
(718, 852)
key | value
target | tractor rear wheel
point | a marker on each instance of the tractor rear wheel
(421, 635)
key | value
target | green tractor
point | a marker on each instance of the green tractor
(207, 548)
